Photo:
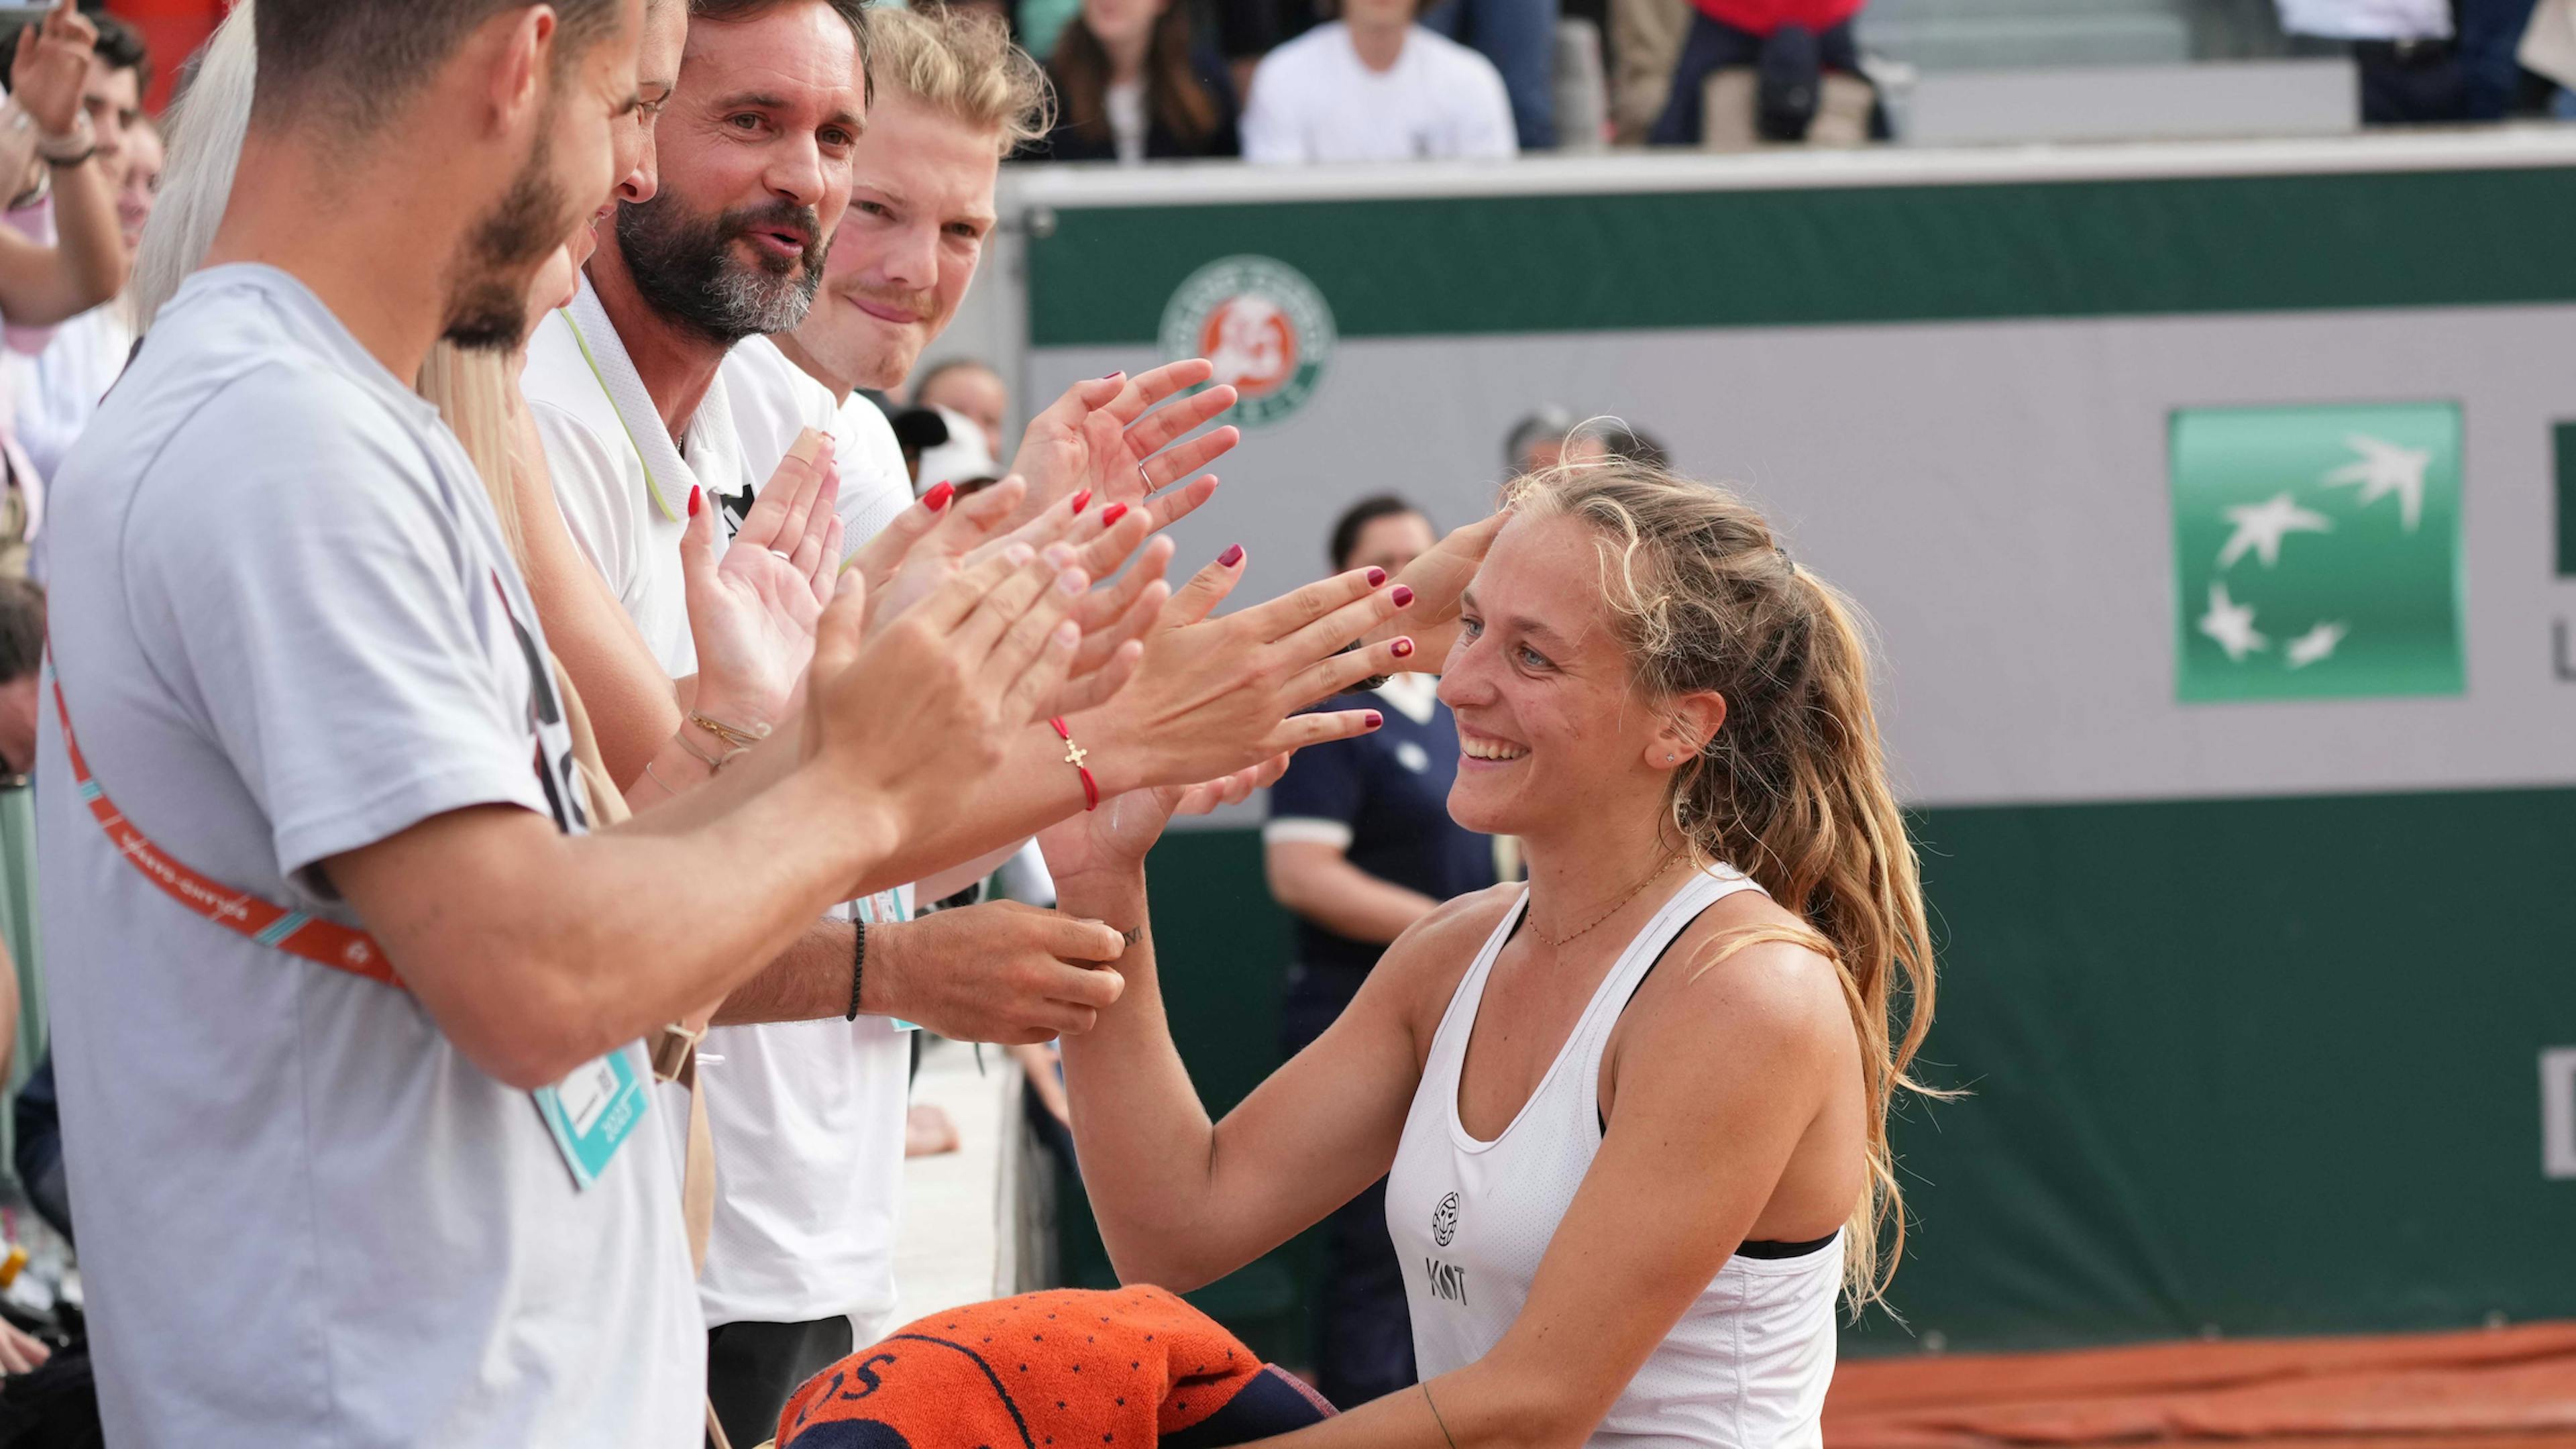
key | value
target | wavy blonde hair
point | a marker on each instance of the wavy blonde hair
(1793, 788)
(961, 62)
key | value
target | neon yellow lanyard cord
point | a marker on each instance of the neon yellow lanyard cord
(650, 486)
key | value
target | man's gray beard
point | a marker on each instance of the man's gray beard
(759, 303)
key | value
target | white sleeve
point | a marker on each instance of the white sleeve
(1269, 126)
(317, 598)
(874, 483)
(1485, 130)
(589, 486)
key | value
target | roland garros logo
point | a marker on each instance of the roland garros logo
(1262, 324)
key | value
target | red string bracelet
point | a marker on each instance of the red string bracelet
(1074, 755)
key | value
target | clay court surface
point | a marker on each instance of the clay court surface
(2505, 1388)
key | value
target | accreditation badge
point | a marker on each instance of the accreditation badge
(592, 1112)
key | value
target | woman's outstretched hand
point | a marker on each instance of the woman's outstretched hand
(1113, 839)
(752, 612)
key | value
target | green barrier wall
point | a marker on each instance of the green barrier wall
(2304, 1103)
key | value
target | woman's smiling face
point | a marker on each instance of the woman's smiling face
(1551, 723)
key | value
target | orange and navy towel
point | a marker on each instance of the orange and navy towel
(1070, 1369)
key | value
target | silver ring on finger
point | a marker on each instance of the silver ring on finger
(1144, 477)
(782, 553)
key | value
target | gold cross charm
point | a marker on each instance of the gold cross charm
(1075, 754)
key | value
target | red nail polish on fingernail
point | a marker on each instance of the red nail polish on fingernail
(937, 498)
(1082, 500)
(1110, 515)
(1104, 377)
(694, 491)
(1402, 649)
(1375, 719)
(1377, 576)
(1402, 596)
(1233, 555)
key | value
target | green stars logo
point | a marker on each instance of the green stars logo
(2316, 552)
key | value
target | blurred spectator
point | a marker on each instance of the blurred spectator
(77, 368)
(1611, 438)
(1132, 84)
(968, 386)
(1358, 847)
(1519, 37)
(1645, 42)
(1537, 441)
(1375, 86)
(2411, 70)
(22, 653)
(1785, 47)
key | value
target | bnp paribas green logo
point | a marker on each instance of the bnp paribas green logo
(1262, 324)
(2317, 552)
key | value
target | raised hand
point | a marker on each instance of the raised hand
(901, 719)
(1213, 696)
(1114, 838)
(1112, 618)
(1109, 437)
(752, 613)
(51, 65)
(1437, 579)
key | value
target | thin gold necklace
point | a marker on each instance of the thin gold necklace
(1553, 942)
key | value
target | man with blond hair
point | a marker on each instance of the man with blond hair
(953, 97)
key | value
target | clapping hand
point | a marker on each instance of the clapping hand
(903, 718)
(752, 612)
(1110, 437)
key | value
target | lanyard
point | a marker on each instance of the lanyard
(650, 487)
(297, 933)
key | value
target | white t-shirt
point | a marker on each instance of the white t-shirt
(807, 1117)
(288, 627)
(1125, 103)
(1313, 100)
(63, 384)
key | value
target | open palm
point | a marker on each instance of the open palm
(752, 612)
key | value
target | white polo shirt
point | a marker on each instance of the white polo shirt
(807, 1116)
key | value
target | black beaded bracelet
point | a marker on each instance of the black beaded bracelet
(858, 965)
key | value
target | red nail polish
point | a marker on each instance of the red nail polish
(937, 498)
(1109, 516)
(1376, 576)
(1402, 596)
(1104, 377)
(1375, 719)
(1402, 649)
(1082, 500)
(1233, 555)
(694, 491)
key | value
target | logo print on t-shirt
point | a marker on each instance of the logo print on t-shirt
(1444, 1221)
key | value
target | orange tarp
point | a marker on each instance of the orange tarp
(2505, 1388)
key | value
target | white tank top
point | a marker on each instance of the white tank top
(1747, 1366)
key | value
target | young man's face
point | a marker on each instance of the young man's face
(754, 154)
(114, 100)
(921, 205)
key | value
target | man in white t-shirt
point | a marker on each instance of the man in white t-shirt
(656, 382)
(431, 1204)
(1375, 86)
